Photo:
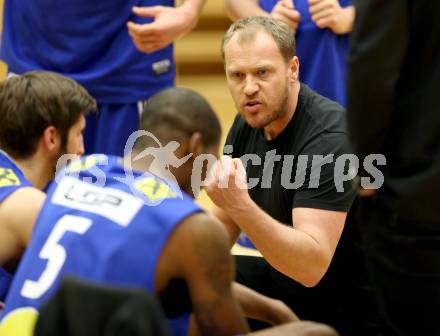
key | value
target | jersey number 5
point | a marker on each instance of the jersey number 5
(55, 254)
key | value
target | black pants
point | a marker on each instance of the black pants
(403, 259)
(350, 311)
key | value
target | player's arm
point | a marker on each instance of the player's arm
(17, 217)
(283, 10)
(168, 24)
(243, 8)
(254, 305)
(231, 227)
(262, 308)
(330, 14)
(303, 253)
(200, 250)
(300, 328)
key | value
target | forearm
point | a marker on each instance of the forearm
(194, 5)
(262, 308)
(291, 251)
(349, 15)
(193, 9)
(238, 9)
(230, 226)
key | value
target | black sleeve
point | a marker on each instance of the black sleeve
(325, 189)
(378, 46)
(231, 143)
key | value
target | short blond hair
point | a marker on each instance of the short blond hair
(283, 36)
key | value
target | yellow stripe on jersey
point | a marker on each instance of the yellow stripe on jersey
(154, 189)
(19, 322)
(81, 165)
(8, 178)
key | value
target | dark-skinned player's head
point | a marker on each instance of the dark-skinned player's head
(184, 116)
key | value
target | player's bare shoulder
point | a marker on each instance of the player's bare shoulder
(198, 241)
(18, 213)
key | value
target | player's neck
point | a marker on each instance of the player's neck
(176, 176)
(36, 170)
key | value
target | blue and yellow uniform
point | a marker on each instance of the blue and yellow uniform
(111, 234)
(11, 179)
(89, 42)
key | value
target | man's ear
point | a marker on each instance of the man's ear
(195, 144)
(294, 69)
(51, 139)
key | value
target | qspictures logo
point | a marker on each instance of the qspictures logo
(301, 171)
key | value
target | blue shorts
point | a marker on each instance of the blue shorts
(5, 283)
(107, 131)
(243, 240)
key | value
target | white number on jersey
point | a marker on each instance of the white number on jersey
(55, 254)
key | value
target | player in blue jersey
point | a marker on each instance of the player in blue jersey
(41, 118)
(102, 45)
(321, 29)
(108, 220)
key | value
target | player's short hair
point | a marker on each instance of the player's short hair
(248, 27)
(175, 114)
(31, 102)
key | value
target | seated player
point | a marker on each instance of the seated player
(118, 224)
(41, 118)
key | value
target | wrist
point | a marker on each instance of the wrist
(240, 211)
(345, 24)
(272, 314)
(190, 14)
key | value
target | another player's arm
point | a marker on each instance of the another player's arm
(207, 266)
(283, 10)
(330, 14)
(231, 227)
(300, 328)
(254, 305)
(214, 306)
(17, 217)
(27, 206)
(262, 308)
(168, 24)
(243, 8)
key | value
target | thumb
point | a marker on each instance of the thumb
(151, 11)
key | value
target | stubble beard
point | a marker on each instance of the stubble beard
(278, 112)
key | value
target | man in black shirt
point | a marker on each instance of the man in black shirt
(394, 110)
(294, 150)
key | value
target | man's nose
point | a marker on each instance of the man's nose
(250, 86)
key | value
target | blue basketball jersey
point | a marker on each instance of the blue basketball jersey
(87, 41)
(100, 226)
(11, 179)
(322, 54)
